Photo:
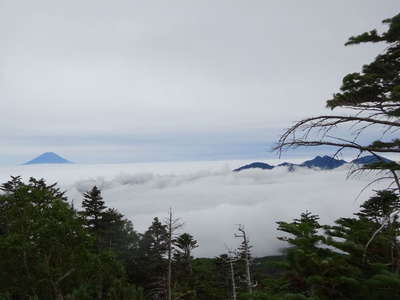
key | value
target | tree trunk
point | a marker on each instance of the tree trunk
(246, 257)
(232, 278)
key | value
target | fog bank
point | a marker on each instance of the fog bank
(209, 198)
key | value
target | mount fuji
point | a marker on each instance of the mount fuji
(48, 158)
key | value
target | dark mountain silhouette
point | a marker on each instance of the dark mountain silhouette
(323, 162)
(255, 165)
(48, 158)
(369, 159)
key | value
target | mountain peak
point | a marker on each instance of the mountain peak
(323, 162)
(369, 159)
(255, 165)
(48, 158)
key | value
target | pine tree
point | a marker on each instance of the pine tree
(117, 234)
(149, 266)
(380, 207)
(183, 277)
(372, 238)
(304, 256)
(185, 244)
(12, 185)
(344, 262)
(94, 207)
(371, 102)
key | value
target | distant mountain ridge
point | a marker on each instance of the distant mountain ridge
(321, 162)
(255, 165)
(48, 158)
(324, 162)
(370, 159)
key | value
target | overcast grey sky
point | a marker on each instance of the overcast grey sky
(117, 81)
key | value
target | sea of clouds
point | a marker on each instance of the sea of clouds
(209, 198)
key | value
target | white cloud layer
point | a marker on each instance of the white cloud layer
(209, 198)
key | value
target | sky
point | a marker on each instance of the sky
(209, 198)
(132, 81)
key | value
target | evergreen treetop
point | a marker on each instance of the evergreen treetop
(94, 207)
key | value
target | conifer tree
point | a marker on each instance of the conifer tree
(94, 207)
(334, 262)
(118, 235)
(304, 255)
(372, 238)
(183, 276)
(149, 266)
(12, 185)
(185, 244)
(370, 100)
(381, 207)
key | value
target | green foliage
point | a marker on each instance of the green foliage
(94, 207)
(48, 252)
(45, 250)
(380, 207)
(148, 265)
(357, 258)
(185, 243)
(183, 267)
(379, 82)
(116, 234)
(210, 279)
(108, 227)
